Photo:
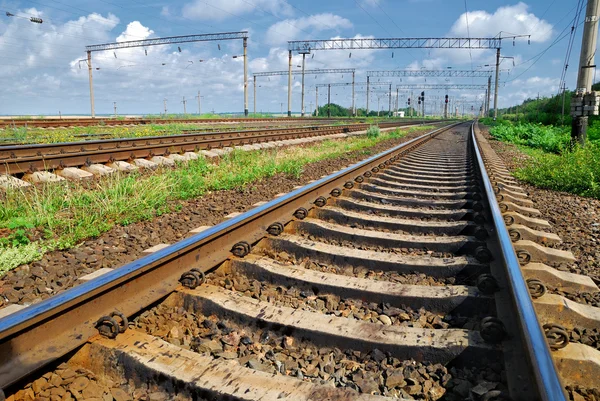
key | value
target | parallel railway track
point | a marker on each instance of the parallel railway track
(21, 159)
(395, 277)
(86, 122)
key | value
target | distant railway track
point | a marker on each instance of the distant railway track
(20, 159)
(86, 122)
(394, 277)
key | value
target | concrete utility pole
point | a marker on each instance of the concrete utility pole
(353, 103)
(411, 107)
(390, 102)
(488, 94)
(290, 84)
(165, 105)
(200, 103)
(303, 65)
(245, 77)
(317, 102)
(184, 102)
(254, 88)
(584, 101)
(368, 85)
(115, 107)
(496, 83)
(329, 101)
(89, 63)
(397, 99)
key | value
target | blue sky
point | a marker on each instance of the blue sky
(40, 71)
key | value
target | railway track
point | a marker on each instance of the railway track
(27, 159)
(86, 122)
(394, 278)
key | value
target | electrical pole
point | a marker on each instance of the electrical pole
(303, 64)
(184, 102)
(390, 102)
(245, 77)
(329, 101)
(254, 87)
(562, 115)
(583, 98)
(317, 101)
(89, 63)
(115, 107)
(353, 103)
(200, 103)
(488, 94)
(411, 107)
(496, 83)
(290, 84)
(397, 100)
(368, 85)
(165, 104)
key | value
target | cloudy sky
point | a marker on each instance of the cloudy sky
(41, 71)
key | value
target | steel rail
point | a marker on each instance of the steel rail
(542, 365)
(43, 332)
(30, 158)
(47, 123)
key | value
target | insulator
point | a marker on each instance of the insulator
(36, 20)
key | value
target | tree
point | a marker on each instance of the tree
(335, 109)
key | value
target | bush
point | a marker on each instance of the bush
(373, 131)
(548, 138)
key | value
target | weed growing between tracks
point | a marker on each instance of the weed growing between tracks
(64, 215)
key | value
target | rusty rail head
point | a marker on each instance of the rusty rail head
(548, 383)
(43, 332)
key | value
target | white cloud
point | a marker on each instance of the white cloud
(291, 29)
(220, 10)
(514, 19)
(135, 31)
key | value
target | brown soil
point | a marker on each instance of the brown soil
(59, 270)
(575, 219)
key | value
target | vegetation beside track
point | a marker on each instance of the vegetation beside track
(48, 217)
(552, 163)
(28, 135)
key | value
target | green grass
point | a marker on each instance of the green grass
(60, 216)
(552, 163)
(548, 138)
(575, 171)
